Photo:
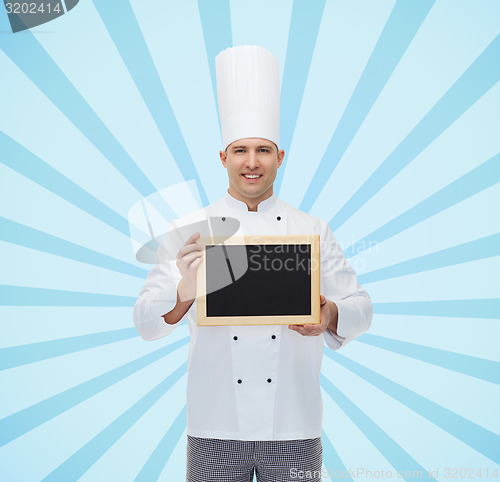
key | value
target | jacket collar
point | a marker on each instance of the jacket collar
(266, 205)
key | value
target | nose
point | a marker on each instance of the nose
(252, 160)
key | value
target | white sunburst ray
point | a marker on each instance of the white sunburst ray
(37, 269)
(148, 220)
(443, 386)
(448, 341)
(28, 267)
(395, 112)
(175, 40)
(456, 157)
(300, 32)
(38, 366)
(176, 464)
(397, 416)
(150, 428)
(33, 333)
(32, 383)
(88, 454)
(273, 20)
(439, 377)
(70, 376)
(467, 144)
(378, 424)
(43, 390)
(361, 452)
(42, 210)
(62, 331)
(48, 134)
(153, 424)
(458, 272)
(349, 441)
(37, 333)
(469, 336)
(84, 417)
(27, 325)
(465, 222)
(469, 280)
(94, 66)
(466, 335)
(215, 22)
(331, 458)
(74, 158)
(351, 170)
(340, 56)
(363, 95)
(58, 222)
(459, 346)
(94, 414)
(473, 279)
(168, 460)
(70, 317)
(402, 320)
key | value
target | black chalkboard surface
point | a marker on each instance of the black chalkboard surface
(259, 280)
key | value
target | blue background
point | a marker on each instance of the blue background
(390, 123)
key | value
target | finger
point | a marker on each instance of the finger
(196, 263)
(192, 239)
(307, 332)
(188, 248)
(322, 300)
(187, 259)
(296, 328)
(316, 328)
(184, 264)
(303, 328)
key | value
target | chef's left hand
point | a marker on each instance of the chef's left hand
(328, 315)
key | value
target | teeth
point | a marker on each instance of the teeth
(251, 176)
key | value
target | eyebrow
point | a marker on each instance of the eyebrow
(246, 147)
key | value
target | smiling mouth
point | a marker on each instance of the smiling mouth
(252, 176)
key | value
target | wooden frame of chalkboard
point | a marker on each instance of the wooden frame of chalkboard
(259, 280)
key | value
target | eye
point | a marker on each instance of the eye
(264, 150)
(239, 150)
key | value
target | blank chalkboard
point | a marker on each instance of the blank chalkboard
(259, 280)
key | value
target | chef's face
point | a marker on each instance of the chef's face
(251, 165)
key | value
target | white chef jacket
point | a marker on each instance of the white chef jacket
(257, 382)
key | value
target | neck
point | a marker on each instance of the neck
(251, 203)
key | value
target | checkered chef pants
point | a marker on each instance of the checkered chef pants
(217, 460)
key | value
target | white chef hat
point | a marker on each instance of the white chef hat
(248, 92)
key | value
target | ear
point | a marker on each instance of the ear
(223, 157)
(281, 155)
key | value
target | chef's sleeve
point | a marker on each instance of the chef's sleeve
(158, 296)
(339, 284)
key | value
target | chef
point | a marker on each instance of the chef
(253, 396)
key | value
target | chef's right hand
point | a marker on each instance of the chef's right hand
(189, 258)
